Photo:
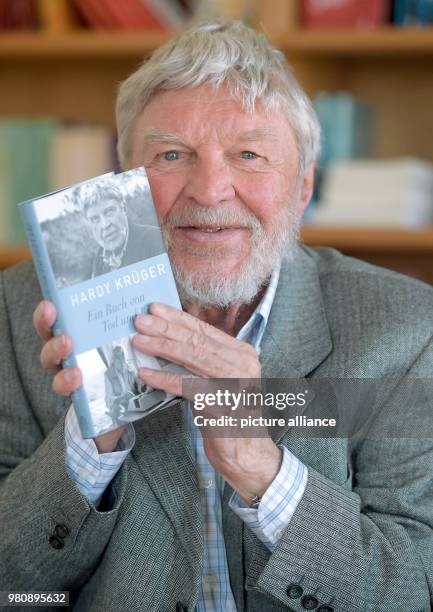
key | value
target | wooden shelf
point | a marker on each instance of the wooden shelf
(12, 254)
(371, 239)
(92, 44)
(80, 44)
(383, 41)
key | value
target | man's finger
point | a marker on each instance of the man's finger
(158, 379)
(54, 351)
(44, 317)
(179, 317)
(67, 381)
(196, 357)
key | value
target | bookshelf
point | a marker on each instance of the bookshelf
(75, 76)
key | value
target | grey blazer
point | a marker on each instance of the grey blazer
(361, 538)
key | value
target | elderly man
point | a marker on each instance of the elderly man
(156, 516)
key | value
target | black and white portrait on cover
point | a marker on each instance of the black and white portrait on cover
(99, 226)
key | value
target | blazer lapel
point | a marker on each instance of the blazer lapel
(297, 338)
(164, 454)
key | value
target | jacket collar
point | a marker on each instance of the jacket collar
(297, 337)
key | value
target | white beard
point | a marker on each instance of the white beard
(216, 287)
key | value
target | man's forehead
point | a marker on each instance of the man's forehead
(160, 135)
(102, 204)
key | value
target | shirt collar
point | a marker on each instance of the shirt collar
(253, 330)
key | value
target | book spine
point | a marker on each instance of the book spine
(56, 16)
(135, 15)
(47, 281)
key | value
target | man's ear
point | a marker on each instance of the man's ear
(307, 187)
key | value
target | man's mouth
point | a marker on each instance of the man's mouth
(207, 228)
(212, 228)
(211, 232)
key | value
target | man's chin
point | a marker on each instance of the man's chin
(220, 289)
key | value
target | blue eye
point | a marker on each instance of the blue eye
(248, 155)
(171, 155)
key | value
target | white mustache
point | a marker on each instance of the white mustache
(218, 216)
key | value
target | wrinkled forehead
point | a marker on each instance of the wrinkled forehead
(206, 111)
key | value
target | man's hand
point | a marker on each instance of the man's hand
(248, 464)
(66, 380)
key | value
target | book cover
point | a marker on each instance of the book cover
(79, 152)
(95, 14)
(25, 145)
(413, 12)
(345, 13)
(56, 16)
(347, 126)
(99, 256)
(170, 14)
(134, 15)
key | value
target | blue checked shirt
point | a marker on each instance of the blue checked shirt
(92, 472)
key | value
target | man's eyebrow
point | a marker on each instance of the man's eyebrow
(262, 133)
(155, 135)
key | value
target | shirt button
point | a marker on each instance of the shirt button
(207, 484)
(278, 533)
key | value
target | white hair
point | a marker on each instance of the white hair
(221, 52)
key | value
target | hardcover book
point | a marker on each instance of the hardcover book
(99, 255)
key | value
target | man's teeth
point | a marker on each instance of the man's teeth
(209, 230)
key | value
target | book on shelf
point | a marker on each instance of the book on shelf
(413, 12)
(152, 15)
(396, 192)
(25, 150)
(40, 155)
(18, 14)
(79, 152)
(245, 10)
(347, 126)
(95, 14)
(57, 16)
(100, 258)
(346, 133)
(283, 18)
(345, 13)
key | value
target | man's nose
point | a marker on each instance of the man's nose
(210, 181)
(105, 221)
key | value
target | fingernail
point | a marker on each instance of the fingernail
(157, 307)
(145, 320)
(69, 376)
(145, 371)
(142, 339)
(60, 342)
